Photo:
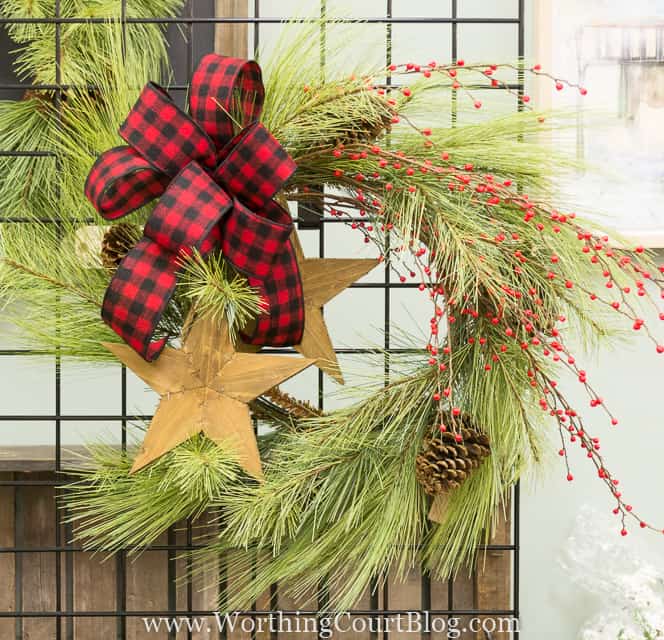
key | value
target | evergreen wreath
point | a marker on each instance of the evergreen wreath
(465, 211)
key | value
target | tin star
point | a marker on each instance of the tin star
(205, 387)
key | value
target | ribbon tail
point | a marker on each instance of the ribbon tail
(186, 218)
(138, 295)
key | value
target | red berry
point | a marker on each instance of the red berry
(559, 86)
(436, 397)
(583, 91)
(407, 92)
(623, 533)
(570, 477)
(478, 104)
(460, 63)
(660, 348)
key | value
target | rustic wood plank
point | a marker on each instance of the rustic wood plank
(363, 603)
(231, 39)
(439, 590)
(147, 590)
(37, 457)
(7, 560)
(35, 521)
(94, 589)
(494, 571)
(464, 597)
(308, 601)
(204, 586)
(405, 594)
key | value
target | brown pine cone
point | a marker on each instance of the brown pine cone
(117, 242)
(444, 463)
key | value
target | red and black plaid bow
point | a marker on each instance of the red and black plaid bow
(215, 190)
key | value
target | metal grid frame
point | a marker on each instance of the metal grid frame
(63, 550)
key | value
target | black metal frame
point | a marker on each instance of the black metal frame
(64, 550)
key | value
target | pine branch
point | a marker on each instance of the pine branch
(58, 284)
(209, 283)
(113, 509)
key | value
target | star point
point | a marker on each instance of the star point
(322, 280)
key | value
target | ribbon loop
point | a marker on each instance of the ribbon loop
(122, 181)
(223, 89)
(138, 295)
(251, 242)
(164, 134)
(203, 204)
(256, 167)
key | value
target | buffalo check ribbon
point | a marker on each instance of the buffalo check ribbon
(215, 188)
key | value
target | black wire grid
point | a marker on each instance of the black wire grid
(63, 613)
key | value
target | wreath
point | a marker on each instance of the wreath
(173, 223)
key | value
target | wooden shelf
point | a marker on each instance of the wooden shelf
(38, 457)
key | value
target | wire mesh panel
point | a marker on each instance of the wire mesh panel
(52, 589)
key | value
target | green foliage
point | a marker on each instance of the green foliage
(309, 112)
(336, 479)
(105, 55)
(27, 183)
(90, 123)
(112, 509)
(216, 292)
(54, 283)
(349, 476)
(50, 293)
(145, 44)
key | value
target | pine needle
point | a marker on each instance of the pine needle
(219, 293)
(112, 509)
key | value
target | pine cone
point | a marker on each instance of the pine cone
(445, 463)
(276, 404)
(299, 409)
(117, 242)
